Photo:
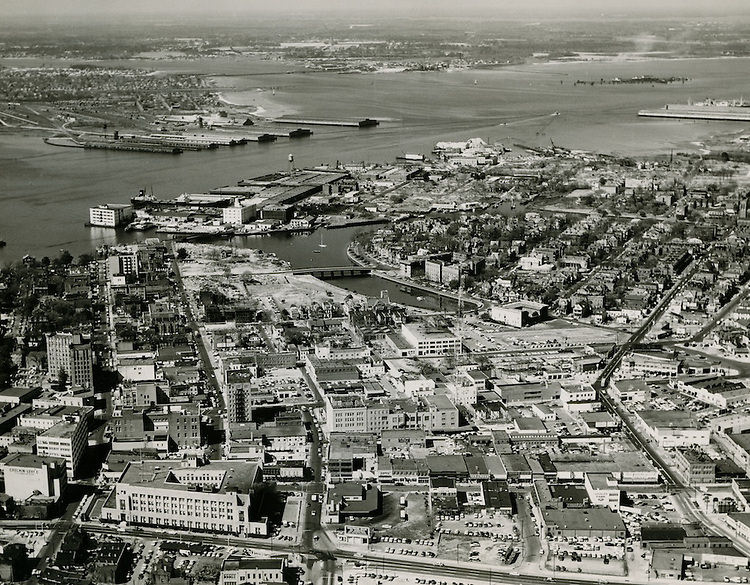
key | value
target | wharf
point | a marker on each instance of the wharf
(134, 147)
(365, 123)
(733, 114)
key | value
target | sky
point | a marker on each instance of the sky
(493, 8)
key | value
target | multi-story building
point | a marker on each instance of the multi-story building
(349, 456)
(62, 432)
(110, 214)
(577, 393)
(433, 270)
(239, 213)
(438, 414)
(695, 466)
(212, 498)
(251, 571)
(430, 340)
(353, 414)
(68, 353)
(519, 314)
(167, 427)
(346, 413)
(33, 476)
(603, 490)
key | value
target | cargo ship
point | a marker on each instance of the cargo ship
(734, 110)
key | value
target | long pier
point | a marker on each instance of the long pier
(700, 113)
(365, 123)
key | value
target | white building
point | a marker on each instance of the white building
(110, 214)
(63, 433)
(240, 213)
(603, 490)
(213, 498)
(577, 393)
(430, 340)
(28, 476)
(519, 314)
(251, 571)
(716, 391)
(674, 428)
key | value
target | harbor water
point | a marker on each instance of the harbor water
(46, 191)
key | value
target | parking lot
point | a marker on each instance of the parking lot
(484, 537)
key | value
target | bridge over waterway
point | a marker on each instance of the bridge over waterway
(335, 271)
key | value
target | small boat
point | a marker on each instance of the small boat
(316, 251)
(420, 298)
(321, 245)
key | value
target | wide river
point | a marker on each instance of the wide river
(46, 191)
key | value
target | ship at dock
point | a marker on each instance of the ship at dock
(709, 109)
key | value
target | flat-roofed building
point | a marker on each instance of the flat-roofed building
(582, 522)
(674, 428)
(67, 353)
(62, 432)
(527, 392)
(239, 213)
(519, 314)
(716, 391)
(16, 395)
(210, 498)
(251, 571)
(603, 489)
(438, 414)
(630, 390)
(34, 476)
(430, 339)
(695, 466)
(110, 214)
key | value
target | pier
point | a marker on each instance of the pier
(700, 113)
(366, 123)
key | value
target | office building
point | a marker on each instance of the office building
(110, 215)
(67, 353)
(212, 498)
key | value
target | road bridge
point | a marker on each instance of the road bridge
(326, 272)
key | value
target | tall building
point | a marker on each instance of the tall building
(62, 431)
(67, 352)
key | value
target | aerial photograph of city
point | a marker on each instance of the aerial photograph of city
(347, 292)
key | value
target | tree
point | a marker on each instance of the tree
(62, 378)
(182, 253)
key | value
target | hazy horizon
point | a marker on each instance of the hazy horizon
(541, 9)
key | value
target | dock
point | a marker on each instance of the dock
(731, 114)
(365, 123)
